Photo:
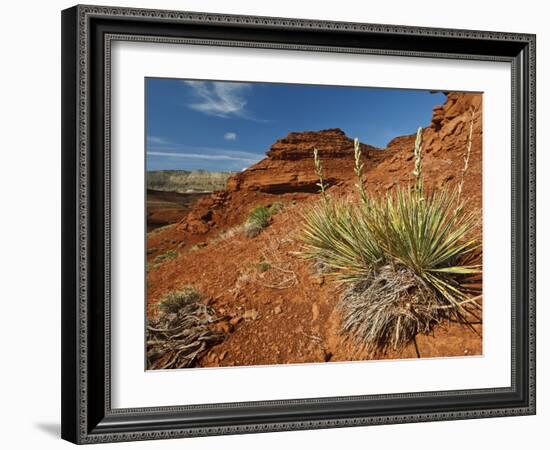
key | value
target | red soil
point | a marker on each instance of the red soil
(283, 311)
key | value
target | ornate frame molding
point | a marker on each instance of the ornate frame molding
(80, 423)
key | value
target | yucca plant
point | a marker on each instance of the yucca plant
(429, 235)
(335, 233)
(424, 276)
(404, 258)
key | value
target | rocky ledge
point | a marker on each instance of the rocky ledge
(288, 166)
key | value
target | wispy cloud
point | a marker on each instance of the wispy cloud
(156, 140)
(199, 156)
(230, 136)
(222, 99)
(206, 153)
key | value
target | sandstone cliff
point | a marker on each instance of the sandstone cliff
(444, 146)
(288, 165)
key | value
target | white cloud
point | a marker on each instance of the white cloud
(157, 140)
(219, 99)
(230, 136)
(222, 99)
(248, 158)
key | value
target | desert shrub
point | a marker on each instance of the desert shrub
(263, 266)
(404, 258)
(169, 254)
(430, 235)
(275, 207)
(174, 301)
(257, 220)
(182, 332)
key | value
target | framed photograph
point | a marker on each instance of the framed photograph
(280, 224)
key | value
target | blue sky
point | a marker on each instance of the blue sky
(228, 126)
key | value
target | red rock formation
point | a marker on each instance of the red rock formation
(444, 145)
(288, 166)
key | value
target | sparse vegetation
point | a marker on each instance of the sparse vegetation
(319, 172)
(405, 259)
(275, 207)
(258, 218)
(169, 254)
(182, 331)
(256, 221)
(263, 266)
(468, 152)
(174, 301)
(198, 246)
(228, 234)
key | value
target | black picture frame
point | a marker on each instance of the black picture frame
(87, 32)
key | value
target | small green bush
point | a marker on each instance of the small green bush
(257, 220)
(264, 266)
(174, 301)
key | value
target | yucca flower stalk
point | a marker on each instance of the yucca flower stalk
(467, 153)
(319, 173)
(417, 172)
(359, 172)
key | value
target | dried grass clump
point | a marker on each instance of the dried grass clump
(174, 301)
(398, 305)
(405, 258)
(182, 332)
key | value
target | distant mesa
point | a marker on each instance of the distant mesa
(185, 182)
